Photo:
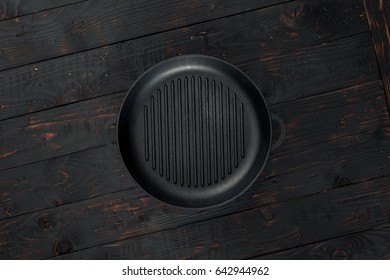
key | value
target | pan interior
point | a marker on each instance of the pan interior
(194, 131)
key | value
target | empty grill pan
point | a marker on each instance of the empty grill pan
(194, 131)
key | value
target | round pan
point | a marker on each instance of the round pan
(194, 131)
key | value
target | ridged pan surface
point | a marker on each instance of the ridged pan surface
(194, 131)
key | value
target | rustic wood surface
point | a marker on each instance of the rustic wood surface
(18, 8)
(65, 67)
(367, 244)
(263, 229)
(265, 34)
(378, 13)
(95, 23)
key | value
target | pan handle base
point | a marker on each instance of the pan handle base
(109, 135)
(278, 125)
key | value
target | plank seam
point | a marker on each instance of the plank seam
(221, 216)
(146, 35)
(246, 61)
(44, 10)
(378, 226)
(375, 30)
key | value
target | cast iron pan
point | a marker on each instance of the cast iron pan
(194, 131)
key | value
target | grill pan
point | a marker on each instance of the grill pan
(194, 131)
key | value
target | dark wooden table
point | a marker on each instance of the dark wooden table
(324, 67)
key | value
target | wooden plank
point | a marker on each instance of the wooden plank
(12, 9)
(328, 116)
(92, 24)
(250, 233)
(371, 244)
(56, 132)
(80, 126)
(60, 181)
(284, 76)
(257, 42)
(378, 13)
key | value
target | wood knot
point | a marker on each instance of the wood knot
(276, 131)
(45, 222)
(59, 202)
(343, 122)
(387, 131)
(292, 16)
(339, 254)
(213, 7)
(7, 212)
(143, 218)
(63, 247)
(343, 182)
(267, 214)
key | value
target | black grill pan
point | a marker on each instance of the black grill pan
(194, 131)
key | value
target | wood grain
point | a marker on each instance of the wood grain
(324, 194)
(378, 13)
(61, 181)
(56, 132)
(253, 232)
(18, 8)
(367, 245)
(96, 172)
(266, 43)
(332, 115)
(92, 24)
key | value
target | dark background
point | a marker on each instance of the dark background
(65, 66)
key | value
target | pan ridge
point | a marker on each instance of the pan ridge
(194, 132)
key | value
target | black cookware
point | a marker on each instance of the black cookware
(194, 131)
